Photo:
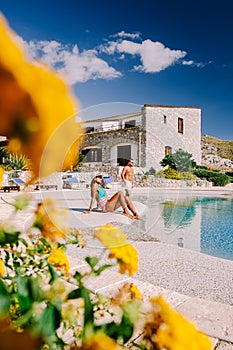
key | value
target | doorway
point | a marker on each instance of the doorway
(123, 154)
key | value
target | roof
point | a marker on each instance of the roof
(134, 114)
(166, 106)
(115, 117)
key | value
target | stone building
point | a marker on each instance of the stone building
(145, 136)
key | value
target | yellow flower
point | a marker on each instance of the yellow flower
(110, 236)
(127, 258)
(167, 329)
(51, 221)
(100, 341)
(2, 268)
(115, 240)
(126, 293)
(135, 292)
(59, 259)
(37, 109)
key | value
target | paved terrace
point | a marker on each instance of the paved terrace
(206, 282)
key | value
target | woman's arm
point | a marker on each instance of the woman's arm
(94, 189)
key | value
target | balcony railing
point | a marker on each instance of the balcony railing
(113, 128)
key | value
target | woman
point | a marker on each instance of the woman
(118, 200)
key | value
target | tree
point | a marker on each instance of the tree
(168, 161)
(180, 161)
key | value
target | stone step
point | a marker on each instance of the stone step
(212, 318)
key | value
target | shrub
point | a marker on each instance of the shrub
(230, 174)
(201, 167)
(218, 179)
(17, 162)
(170, 174)
(186, 175)
(180, 161)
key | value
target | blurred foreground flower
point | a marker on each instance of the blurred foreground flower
(36, 110)
(167, 329)
(115, 240)
(2, 268)
(100, 341)
(59, 259)
(51, 221)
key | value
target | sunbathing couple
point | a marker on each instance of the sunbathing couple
(118, 200)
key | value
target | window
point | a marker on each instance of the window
(168, 150)
(180, 125)
(92, 155)
(130, 123)
(165, 119)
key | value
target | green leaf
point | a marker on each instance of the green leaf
(53, 273)
(111, 329)
(101, 269)
(124, 330)
(84, 293)
(25, 302)
(22, 286)
(78, 277)
(74, 294)
(45, 243)
(88, 307)
(131, 314)
(7, 237)
(5, 300)
(49, 321)
(23, 293)
(23, 241)
(132, 310)
(35, 290)
(21, 202)
(92, 261)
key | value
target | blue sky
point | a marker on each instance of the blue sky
(136, 52)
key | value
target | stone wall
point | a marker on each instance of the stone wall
(113, 138)
(152, 181)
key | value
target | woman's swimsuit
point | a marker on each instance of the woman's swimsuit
(102, 198)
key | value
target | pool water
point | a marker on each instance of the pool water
(217, 228)
(204, 224)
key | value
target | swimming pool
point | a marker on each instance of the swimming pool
(204, 224)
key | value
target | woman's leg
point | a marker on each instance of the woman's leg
(117, 201)
(131, 207)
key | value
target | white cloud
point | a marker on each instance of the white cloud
(123, 34)
(196, 64)
(187, 63)
(73, 65)
(154, 56)
(80, 66)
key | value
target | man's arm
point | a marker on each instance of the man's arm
(123, 173)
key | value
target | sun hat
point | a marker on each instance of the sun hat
(99, 175)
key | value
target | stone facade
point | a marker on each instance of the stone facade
(162, 130)
(146, 136)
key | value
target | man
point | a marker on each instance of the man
(127, 176)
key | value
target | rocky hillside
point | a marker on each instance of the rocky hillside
(216, 153)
